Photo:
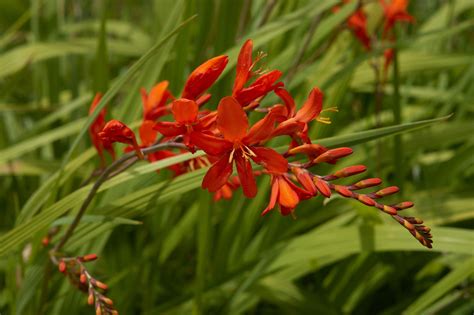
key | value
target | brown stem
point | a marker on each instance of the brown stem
(102, 178)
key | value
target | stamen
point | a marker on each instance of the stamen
(231, 156)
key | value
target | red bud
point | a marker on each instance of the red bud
(322, 186)
(350, 171)
(343, 191)
(366, 200)
(333, 155)
(369, 182)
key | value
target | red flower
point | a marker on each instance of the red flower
(240, 145)
(388, 54)
(286, 194)
(395, 11)
(296, 123)
(226, 191)
(154, 102)
(185, 112)
(357, 22)
(96, 127)
(117, 131)
(203, 77)
(261, 86)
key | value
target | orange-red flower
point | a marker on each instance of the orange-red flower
(96, 127)
(203, 77)
(395, 11)
(286, 194)
(245, 70)
(186, 114)
(240, 145)
(296, 123)
(357, 22)
(154, 103)
(117, 131)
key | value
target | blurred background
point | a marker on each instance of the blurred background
(165, 247)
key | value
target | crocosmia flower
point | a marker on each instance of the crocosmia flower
(240, 145)
(203, 77)
(154, 103)
(117, 131)
(395, 10)
(96, 127)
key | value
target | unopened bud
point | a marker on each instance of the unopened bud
(304, 178)
(403, 205)
(369, 182)
(90, 299)
(106, 300)
(83, 278)
(45, 241)
(98, 309)
(350, 171)
(99, 284)
(343, 191)
(389, 210)
(366, 200)
(62, 266)
(332, 155)
(89, 257)
(387, 191)
(322, 186)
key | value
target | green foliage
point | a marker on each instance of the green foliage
(165, 247)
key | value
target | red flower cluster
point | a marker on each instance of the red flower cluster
(394, 11)
(228, 139)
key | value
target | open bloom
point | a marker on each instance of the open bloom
(296, 123)
(186, 114)
(286, 194)
(203, 77)
(154, 103)
(240, 145)
(357, 22)
(96, 127)
(245, 70)
(395, 11)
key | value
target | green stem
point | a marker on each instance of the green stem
(397, 119)
(203, 242)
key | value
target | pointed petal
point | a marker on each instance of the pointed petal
(231, 119)
(169, 129)
(244, 63)
(261, 130)
(204, 76)
(288, 100)
(247, 180)
(288, 127)
(212, 145)
(147, 133)
(287, 197)
(218, 174)
(273, 196)
(270, 159)
(117, 131)
(312, 107)
(184, 110)
(259, 88)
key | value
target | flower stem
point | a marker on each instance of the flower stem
(397, 119)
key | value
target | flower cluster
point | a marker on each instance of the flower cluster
(229, 139)
(79, 276)
(394, 11)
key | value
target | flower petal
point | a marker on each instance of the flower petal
(184, 110)
(288, 100)
(273, 196)
(261, 130)
(147, 133)
(218, 174)
(212, 145)
(312, 107)
(231, 119)
(270, 159)
(287, 197)
(204, 76)
(169, 129)
(259, 88)
(247, 180)
(244, 64)
(288, 127)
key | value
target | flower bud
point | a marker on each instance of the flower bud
(350, 171)
(389, 210)
(343, 191)
(62, 266)
(333, 155)
(322, 186)
(403, 205)
(386, 191)
(366, 200)
(369, 182)
(89, 257)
